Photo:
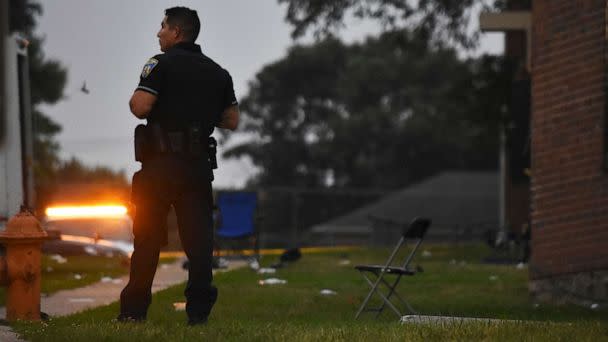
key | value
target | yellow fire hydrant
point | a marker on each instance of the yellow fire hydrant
(20, 268)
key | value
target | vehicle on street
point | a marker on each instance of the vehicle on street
(90, 229)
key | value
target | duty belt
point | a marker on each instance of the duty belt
(153, 140)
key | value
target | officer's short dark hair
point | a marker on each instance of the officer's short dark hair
(186, 19)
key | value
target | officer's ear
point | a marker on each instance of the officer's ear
(178, 32)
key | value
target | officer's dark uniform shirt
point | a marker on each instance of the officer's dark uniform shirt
(190, 88)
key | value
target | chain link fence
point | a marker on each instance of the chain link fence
(287, 214)
(294, 217)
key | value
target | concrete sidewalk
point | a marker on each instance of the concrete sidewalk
(67, 302)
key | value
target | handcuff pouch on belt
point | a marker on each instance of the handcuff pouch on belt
(151, 140)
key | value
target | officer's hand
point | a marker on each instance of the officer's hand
(230, 118)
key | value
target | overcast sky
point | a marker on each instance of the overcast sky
(106, 43)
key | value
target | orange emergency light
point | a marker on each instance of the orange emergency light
(89, 211)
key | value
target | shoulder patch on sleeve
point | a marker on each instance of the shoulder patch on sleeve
(150, 64)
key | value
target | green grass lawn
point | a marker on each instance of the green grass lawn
(453, 283)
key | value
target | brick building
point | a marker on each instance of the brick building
(569, 188)
(563, 44)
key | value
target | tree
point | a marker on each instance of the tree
(382, 113)
(23, 15)
(75, 182)
(440, 20)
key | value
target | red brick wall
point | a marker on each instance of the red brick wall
(569, 185)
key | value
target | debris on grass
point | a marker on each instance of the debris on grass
(344, 260)
(427, 254)
(267, 270)
(520, 266)
(58, 259)
(594, 306)
(328, 292)
(179, 306)
(493, 278)
(272, 281)
(77, 276)
(253, 264)
(224, 263)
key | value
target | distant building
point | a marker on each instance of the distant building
(462, 205)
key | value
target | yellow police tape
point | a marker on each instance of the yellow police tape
(276, 251)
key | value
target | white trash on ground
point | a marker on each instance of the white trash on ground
(493, 278)
(272, 281)
(267, 270)
(77, 276)
(594, 306)
(344, 262)
(520, 266)
(427, 254)
(223, 263)
(59, 259)
(328, 292)
(253, 264)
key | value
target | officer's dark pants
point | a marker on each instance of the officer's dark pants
(183, 183)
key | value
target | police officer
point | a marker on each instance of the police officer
(183, 95)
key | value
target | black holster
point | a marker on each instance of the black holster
(142, 143)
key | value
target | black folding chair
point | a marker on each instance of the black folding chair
(416, 231)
